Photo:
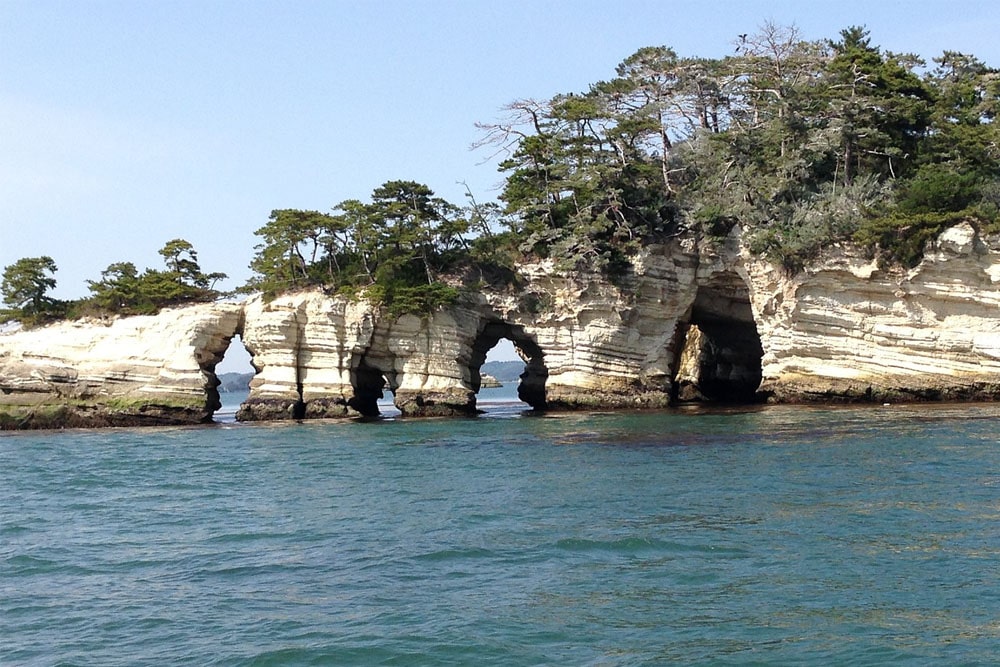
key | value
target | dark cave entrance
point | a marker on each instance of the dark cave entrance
(531, 386)
(370, 384)
(718, 348)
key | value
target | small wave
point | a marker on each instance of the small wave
(454, 554)
(622, 545)
(638, 545)
(25, 565)
(236, 538)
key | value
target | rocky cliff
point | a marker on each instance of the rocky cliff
(846, 329)
(697, 322)
(131, 371)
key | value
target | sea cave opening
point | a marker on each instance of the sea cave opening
(718, 347)
(373, 390)
(233, 373)
(507, 366)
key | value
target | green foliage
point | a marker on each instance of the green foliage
(123, 290)
(292, 242)
(25, 288)
(939, 188)
(535, 302)
(420, 299)
(119, 290)
(394, 249)
(798, 142)
(801, 144)
(716, 220)
(804, 229)
(901, 238)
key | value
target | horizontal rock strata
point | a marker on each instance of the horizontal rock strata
(845, 329)
(129, 371)
(693, 322)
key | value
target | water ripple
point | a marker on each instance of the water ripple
(768, 536)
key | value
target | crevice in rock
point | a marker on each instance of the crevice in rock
(531, 389)
(719, 349)
(299, 407)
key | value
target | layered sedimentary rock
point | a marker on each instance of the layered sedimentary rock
(702, 322)
(847, 329)
(842, 330)
(129, 371)
(306, 348)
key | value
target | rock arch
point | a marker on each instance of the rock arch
(211, 345)
(531, 389)
(720, 348)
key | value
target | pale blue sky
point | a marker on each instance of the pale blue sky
(126, 124)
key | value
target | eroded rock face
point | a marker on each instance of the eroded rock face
(130, 371)
(842, 330)
(846, 329)
(305, 348)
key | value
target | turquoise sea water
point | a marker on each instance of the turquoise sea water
(767, 536)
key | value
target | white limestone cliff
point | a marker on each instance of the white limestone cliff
(135, 370)
(843, 329)
(305, 347)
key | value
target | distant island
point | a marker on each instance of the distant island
(231, 383)
(503, 371)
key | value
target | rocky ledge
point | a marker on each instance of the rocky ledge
(694, 322)
(123, 372)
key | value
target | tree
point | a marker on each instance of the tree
(119, 290)
(24, 290)
(182, 263)
(123, 290)
(183, 281)
(966, 136)
(881, 109)
(649, 109)
(395, 247)
(291, 242)
(407, 217)
(589, 175)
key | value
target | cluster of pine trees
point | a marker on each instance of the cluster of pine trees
(399, 247)
(803, 143)
(800, 143)
(121, 290)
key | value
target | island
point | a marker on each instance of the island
(798, 222)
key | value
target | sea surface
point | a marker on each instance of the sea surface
(768, 536)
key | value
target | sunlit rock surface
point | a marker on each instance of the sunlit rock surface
(128, 371)
(305, 348)
(847, 330)
(705, 323)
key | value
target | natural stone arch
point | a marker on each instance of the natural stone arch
(531, 388)
(720, 348)
(211, 346)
